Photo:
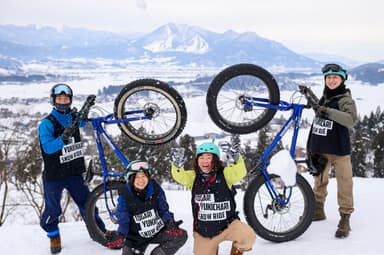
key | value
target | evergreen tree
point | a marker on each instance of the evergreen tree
(188, 143)
(265, 139)
(379, 155)
(263, 142)
(359, 150)
(249, 155)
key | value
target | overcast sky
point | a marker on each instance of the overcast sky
(350, 28)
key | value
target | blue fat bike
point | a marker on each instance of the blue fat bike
(149, 112)
(241, 99)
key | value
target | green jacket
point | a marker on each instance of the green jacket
(346, 115)
(233, 174)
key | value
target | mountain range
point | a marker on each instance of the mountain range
(179, 44)
(176, 44)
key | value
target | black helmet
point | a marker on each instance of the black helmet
(58, 89)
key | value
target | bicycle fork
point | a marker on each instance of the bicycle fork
(279, 201)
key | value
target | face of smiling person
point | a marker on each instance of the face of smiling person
(205, 162)
(141, 181)
(333, 81)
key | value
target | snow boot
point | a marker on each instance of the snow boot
(235, 251)
(343, 228)
(55, 244)
(319, 212)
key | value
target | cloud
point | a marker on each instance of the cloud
(141, 4)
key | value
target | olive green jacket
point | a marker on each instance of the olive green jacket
(347, 113)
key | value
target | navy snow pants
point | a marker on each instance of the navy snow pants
(52, 194)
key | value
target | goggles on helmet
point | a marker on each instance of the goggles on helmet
(335, 69)
(139, 166)
(62, 88)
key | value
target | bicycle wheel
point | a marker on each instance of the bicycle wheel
(232, 95)
(97, 202)
(159, 111)
(273, 221)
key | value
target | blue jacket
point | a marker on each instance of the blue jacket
(49, 142)
(124, 215)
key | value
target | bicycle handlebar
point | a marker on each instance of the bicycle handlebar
(83, 113)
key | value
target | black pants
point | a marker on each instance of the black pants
(168, 242)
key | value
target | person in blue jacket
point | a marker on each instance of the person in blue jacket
(144, 217)
(63, 158)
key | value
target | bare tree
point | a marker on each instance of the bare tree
(27, 171)
(6, 143)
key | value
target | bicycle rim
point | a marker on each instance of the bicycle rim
(234, 95)
(276, 222)
(158, 110)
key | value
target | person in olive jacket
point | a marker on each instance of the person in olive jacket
(330, 138)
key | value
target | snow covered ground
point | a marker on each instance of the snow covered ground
(366, 236)
(17, 238)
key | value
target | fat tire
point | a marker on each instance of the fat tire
(159, 87)
(232, 72)
(293, 233)
(94, 231)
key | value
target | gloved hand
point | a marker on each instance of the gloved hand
(115, 240)
(316, 163)
(172, 224)
(321, 111)
(313, 101)
(172, 227)
(177, 157)
(69, 131)
(232, 151)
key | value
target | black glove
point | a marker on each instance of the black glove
(171, 224)
(69, 131)
(316, 164)
(313, 101)
(172, 228)
(115, 240)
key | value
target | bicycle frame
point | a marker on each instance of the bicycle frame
(99, 130)
(294, 119)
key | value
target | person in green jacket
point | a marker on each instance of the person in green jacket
(215, 218)
(329, 140)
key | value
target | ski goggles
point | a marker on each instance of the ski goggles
(332, 67)
(139, 166)
(62, 88)
(335, 69)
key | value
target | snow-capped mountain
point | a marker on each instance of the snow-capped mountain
(181, 44)
(179, 38)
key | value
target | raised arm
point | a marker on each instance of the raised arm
(182, 176)
(235, 172)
